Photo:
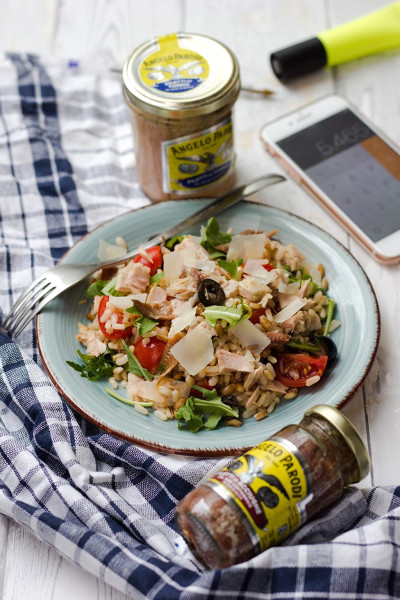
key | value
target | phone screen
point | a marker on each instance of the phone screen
(354, 167)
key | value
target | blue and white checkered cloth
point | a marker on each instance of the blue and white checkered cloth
(66, 165)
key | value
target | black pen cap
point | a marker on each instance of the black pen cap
(299, 59)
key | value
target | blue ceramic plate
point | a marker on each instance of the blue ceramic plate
(356, 339)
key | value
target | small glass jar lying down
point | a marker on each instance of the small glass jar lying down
(269, 492)
(180, 89)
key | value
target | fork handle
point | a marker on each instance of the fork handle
(205, 213)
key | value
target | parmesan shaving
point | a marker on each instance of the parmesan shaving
(246, 246)
(122, 302)
(289, 310)
(174, 262)
(255, 268)
(107, 251)
(182, 321)
(205, 265)
(194, 351)
(314, 272)
(250, 336)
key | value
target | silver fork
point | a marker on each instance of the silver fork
(63, 276)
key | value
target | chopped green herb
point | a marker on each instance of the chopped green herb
(329, 315)
(94, 367)
(134, 366)
(96, 288)
(230, 266)
(212, 237)
(297, 344)
(312, 286)
(161, 369)
(157, 277)
(125, 400)
(172, 242)
(204, 413)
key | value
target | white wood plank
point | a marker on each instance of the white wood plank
(46, 574)
(27, 25)
(4, 526)
(98, 26)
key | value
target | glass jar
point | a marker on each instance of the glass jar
(180, 89)
(269, 492)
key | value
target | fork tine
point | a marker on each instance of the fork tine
(18, 326)
(26, 302)
(27, 293)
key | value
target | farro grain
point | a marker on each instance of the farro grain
(233, 422)
(261, 415)
(113, 383)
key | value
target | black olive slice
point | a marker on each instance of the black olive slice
(231, 401)
(328, 347)
(211, 293)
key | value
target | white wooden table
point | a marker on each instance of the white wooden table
(252, 29)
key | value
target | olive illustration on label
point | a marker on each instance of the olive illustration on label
(274, 482)
(267, 497)
(188, 168)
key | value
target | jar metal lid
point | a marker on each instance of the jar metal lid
(349, 433)
(181, 75)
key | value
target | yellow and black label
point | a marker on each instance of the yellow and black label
(196, 161)
(271, 488)
(172, 69)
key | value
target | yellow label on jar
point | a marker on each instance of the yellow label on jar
(196, 161)
(173, 69)
(270, 487)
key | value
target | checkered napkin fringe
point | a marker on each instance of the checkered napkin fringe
(66, 165)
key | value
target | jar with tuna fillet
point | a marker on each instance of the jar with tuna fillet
(268, 493)
(180, 89)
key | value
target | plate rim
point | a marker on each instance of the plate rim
(226, 450)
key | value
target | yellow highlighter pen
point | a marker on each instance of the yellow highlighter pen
(375, 32)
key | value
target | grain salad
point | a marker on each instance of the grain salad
(209, 330)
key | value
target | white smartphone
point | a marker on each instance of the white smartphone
(350, 167)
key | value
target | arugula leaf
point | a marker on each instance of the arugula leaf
(161, 369)
(187, 413)
(134, 366)
(203, 413)
(96, 288)
(143, 324)
(172, 242)
(212, 237)
(94, 367)
(297, 344)
(125, 400)
(230, 266)
(157, 277)
(232, 314)
(132, 310)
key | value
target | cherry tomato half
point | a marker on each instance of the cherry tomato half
(294, 370)
(156, 256)
(116, 333)
(268, 267)
(149, 355)
(256, 314)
